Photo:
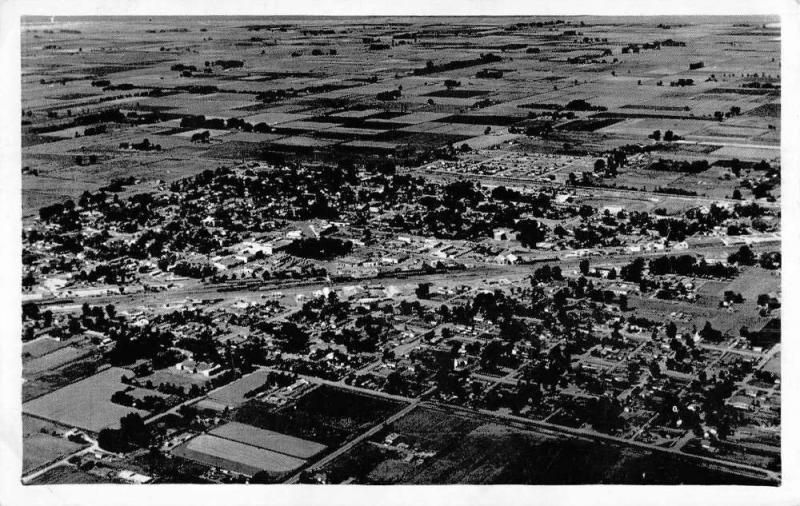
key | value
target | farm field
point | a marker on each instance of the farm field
(84, 404)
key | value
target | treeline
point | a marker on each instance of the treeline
(432, 68)
(687, 265)
(693, 167)
(319, 248)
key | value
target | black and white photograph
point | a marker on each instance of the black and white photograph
(393, 249)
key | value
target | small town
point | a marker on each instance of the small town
(427, 251)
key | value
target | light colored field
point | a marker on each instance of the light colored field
(303, 141)
(274, 118)
(211, 133)
(84, 404)
(238, 457)
(170, 375)
(268, 440)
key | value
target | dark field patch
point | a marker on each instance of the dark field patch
(456, 93)
(482, 120)
(326, 415)
(766, 111)
(587, 125)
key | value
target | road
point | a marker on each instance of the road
(362, 437)
(560, 429)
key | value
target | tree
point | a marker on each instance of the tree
(584, 267)
(599, 165)
(656, 135)
(491, 354)
(423, 291)
(531, 232)
(395, 384)
(623, 302)
(296, 339)
(737, 194)
(671, 330)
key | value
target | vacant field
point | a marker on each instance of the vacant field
(85, 404)
(235, 456)
(268, 440)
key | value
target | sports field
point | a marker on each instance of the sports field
(234, 456)
(268, 440)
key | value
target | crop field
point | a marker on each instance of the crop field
(84, 404)
(268, 440)
(238, 457)
(42, 346)
(53, 360)
(50, 380)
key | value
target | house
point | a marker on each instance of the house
(460, 363)
(132, 477)
(192, 367)
(509, 258)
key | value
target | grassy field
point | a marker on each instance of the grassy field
(85, 404)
